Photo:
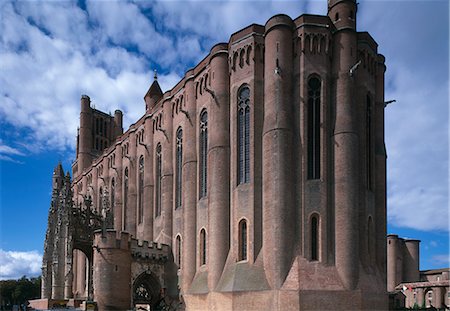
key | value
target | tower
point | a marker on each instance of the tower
(346, 141)
(277, 150)
(85, 139)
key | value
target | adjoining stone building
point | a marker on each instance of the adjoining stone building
(260, 178)
(409, 287)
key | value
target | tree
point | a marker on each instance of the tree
(16, 292)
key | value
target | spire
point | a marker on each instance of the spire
(58, 171)
(154, 93)
(58, 177)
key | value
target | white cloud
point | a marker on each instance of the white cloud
(443, 260)
(52, 52)
(417, 124)
(4, 149)
(14, 265)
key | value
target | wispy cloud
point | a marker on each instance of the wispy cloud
(443, 260)
(14, 265)
(8, 153)
(52, 52)
(9, 150)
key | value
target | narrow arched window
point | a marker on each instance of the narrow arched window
(313, 128)
(125, 199)
(113, 190)
(243, 136)
(178, 168)
(203, 153)
(141, 190)
(243, 240)
(158, 176)
(369, 236)
(202, 247)
(178, 251)
(368, 143)
(315, 237)
(100, 195)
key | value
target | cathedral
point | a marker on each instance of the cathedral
(258, 182)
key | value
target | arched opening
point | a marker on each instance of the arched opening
(82, 258)
(179, 168)
(429, 298)
(141, 190)
(203, 153)
(243, 138)
(202, 247)
(313, 128)
(146, 292)
(315, 237)
(368, 143)
(243, 240)
(112, 200)
(370, 234)
(125, 200)
(178, 251)
(158, 176)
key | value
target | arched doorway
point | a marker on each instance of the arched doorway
(146, 291)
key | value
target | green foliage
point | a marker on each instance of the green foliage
(16, 292)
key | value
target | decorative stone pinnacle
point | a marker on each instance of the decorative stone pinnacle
(155, 75)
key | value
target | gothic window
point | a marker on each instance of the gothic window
(369, 236)
(202, 247)
(178, 168)
(125, 199)
(178, 251)
(100, 194)
(315, 237)
(243, 240)
(368, 143)
(158, 177)
(141, 190)
(203, 152)
(244, 136)
(313, 128)
(113, 190)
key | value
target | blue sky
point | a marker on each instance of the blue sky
(51, 52)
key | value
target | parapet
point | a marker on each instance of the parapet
(149, 250)
(111, 239)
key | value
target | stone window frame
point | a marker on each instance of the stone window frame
(141, 189)
(158, 180)
(243, 240)
(313, 130)
(314, 238)
(243, 135)
(125, 198)
(203, 154)
(179, 168)
(203, 247)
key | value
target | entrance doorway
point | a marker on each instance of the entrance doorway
(146, 292)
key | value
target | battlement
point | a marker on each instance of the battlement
(149, 250)
(111, 239)
(138, 248)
